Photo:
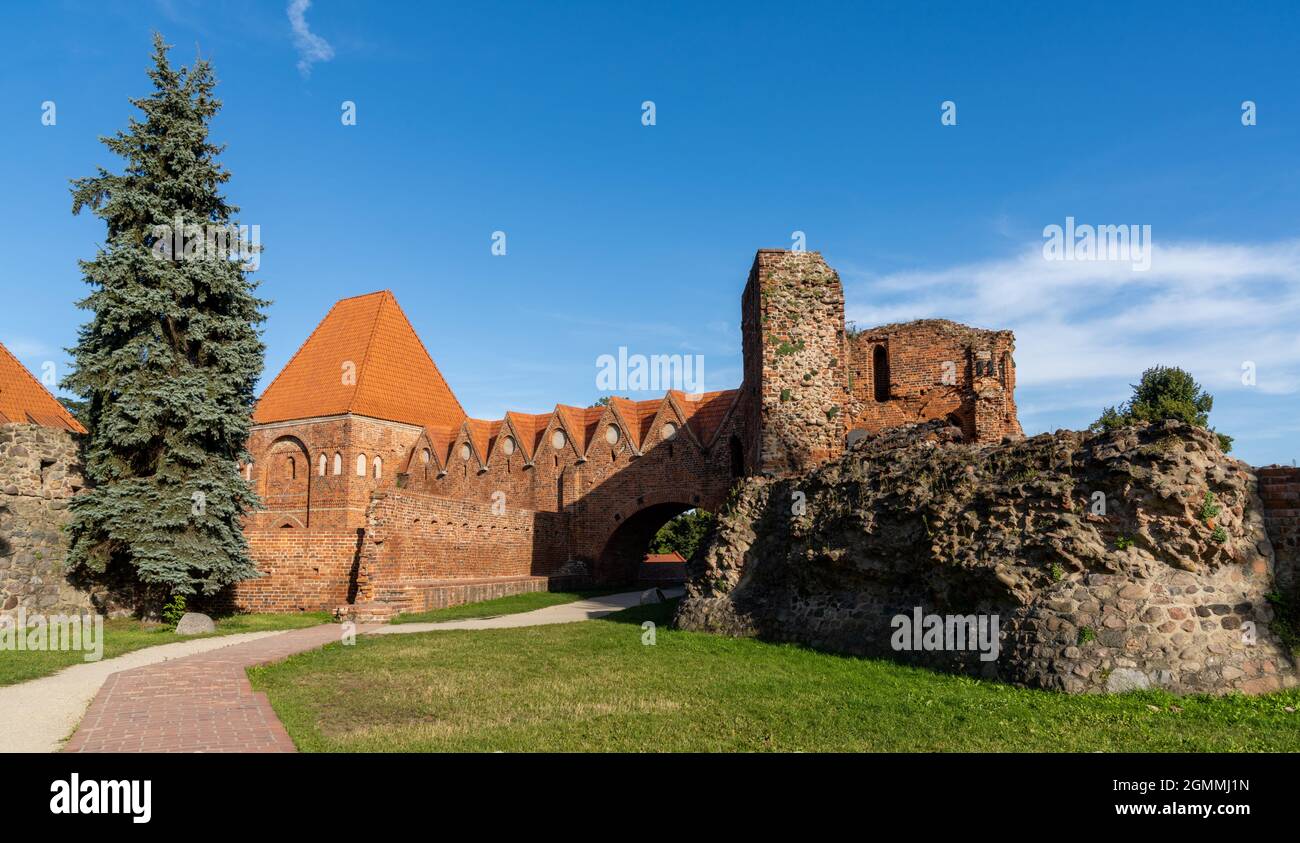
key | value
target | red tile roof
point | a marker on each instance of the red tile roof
(705, 411)
(363, 358)
(529, 428)
(664, 557)
(24, 400)
(573, 418)
(441, 439)
(482, 433)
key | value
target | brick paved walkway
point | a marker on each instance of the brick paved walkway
(204, 702)
(200, 703)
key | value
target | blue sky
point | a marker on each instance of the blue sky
(771, 118)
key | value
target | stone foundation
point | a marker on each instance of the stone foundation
(1096, 552)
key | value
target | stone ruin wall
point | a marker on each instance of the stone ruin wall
(1148, 594)
(40, 471)
(792, 329)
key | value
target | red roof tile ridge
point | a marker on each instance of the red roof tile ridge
(425, 349)
(289, 365)
(384, 296)
(62, 412)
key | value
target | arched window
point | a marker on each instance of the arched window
(338, 463)
(291, 469)
(361, 465)
(320, 465)
(880, 372)
(379, 467)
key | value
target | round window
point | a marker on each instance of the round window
(611, 434)
(668, 431)
(464, 450)
(558, 439)
(508, 446)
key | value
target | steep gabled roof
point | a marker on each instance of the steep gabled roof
(705, 411)
(364, 358)
(645, 418)
(626, 411)
(529, 428)
(441, 438)
(575, 421)
(24, 400)
(482, 434)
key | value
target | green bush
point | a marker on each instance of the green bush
(1163, 393)
(174, 610)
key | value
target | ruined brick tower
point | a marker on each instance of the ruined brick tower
(792, 328)
(813, 387)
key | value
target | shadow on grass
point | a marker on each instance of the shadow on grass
(661, 614)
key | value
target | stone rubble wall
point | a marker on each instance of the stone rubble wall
(796, 362)
(40, 471)
(1147, 592)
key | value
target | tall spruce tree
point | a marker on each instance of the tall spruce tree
(168, 362)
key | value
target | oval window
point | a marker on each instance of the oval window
(464, 450)
(558, 439)
(668, 431)
(612, 434)
(508, 446)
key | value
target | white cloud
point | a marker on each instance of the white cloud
(1091, 327)
(311, 47)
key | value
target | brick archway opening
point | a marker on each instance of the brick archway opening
(630, 541)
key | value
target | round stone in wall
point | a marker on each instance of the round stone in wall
(668, 431)
(611, 434)
(508, 446)
(464, 450)
(558, 439)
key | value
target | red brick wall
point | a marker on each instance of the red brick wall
(1279, 489)
(936, 369)
(414, 539)
(312, 499)
(304, 570)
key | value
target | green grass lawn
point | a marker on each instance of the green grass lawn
(594, 686)
(511, 605)
(122, 635)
